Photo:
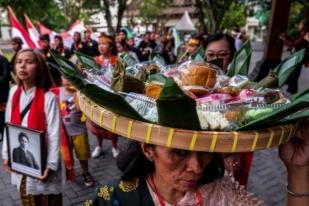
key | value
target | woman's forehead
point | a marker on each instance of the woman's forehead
(26, 55)
(221, 44)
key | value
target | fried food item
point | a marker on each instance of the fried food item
(228, 90)
(200, 75)
(153, 90)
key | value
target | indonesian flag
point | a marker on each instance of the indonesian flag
(19, 31)
(67, 39)
(77, 26)
(33, 32)
(44, 30)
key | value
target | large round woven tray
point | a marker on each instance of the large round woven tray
(209, 141)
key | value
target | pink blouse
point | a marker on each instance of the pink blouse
(222, 192)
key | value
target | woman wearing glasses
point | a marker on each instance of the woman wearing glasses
(222, 46)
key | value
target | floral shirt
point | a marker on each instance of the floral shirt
(222, 192)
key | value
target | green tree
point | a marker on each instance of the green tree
(214, 11)
(263, 13)
(151, 10)
(51, 15)
(96, 6)
(298, 11)
(234, 17)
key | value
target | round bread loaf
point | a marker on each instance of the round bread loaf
(200, 75)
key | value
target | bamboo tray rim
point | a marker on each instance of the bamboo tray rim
(208, 141)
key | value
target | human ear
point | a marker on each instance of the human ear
(148, 151)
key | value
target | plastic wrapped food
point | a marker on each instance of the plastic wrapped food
(213, 118)
(238, 81)
(145, 106)
(216, 98)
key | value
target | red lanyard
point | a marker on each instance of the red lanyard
(161, 201)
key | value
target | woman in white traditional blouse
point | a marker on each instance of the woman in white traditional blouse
(43, 114)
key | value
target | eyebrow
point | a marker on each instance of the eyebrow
(217, 51)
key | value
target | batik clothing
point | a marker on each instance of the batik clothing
(52, 134)
(137, 192)
(38, 200)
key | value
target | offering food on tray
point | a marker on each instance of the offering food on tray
(214, 100)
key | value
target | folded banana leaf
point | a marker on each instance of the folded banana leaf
(288, 65)
(295, 117)
(128, 59)
(69, 70)
(298, 94)
(241, 61)
(87, 61)
(270, 81)
(157, 77)
(199, 55)
(111, 101)
(175, 109)
(275, 117)
(155, 57)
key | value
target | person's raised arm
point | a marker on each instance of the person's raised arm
(295, 155)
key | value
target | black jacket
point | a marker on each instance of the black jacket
(5, 76)
(24, 158)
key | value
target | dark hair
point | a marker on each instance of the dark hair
(124, 31)
(17, 40)
(219, 36)
(133, 163)
(124, 44)
(21, 135)
(44, 37)
(58, 37)
(43, 78)
(306, 24)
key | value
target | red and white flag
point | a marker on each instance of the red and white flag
(33, 32)
(44, 30)
(77, 26)
(19, 31)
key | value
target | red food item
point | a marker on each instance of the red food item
(215, 97)
(246, 94)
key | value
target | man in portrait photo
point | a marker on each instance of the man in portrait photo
(22, 155)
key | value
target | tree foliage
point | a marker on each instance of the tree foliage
(263, 13)
(151, 10)
(46, 11)
(234, 17)
(298, 11)
(214, 11)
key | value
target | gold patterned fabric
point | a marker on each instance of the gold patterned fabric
(38, 200)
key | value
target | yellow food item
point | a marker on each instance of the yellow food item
(153, 90)
(200, 75)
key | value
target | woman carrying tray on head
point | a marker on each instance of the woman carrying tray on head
(157, 176)
(108, 56)
(42, 114)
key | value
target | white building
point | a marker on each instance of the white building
(5, 28)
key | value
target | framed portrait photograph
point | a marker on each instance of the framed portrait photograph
(27, 153)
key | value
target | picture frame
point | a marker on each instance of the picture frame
(26, 148)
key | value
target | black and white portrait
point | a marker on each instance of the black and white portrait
(27, 150)
(22, 155)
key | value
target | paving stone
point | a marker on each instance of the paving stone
(7, 202)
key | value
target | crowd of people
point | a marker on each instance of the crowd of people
(152, 175)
